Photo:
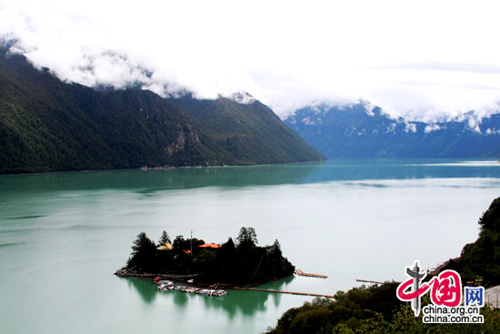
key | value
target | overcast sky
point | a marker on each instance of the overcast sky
(409, 57)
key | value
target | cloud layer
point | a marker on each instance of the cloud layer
(423, 59)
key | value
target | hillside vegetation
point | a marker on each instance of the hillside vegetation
(50, 125)
(481, 259)
(246, 133)
(373, 310)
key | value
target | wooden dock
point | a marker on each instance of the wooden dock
(286, 292)
(368, 281)
(301, 273)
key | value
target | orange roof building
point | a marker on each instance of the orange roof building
(167, 246)
(209, 246)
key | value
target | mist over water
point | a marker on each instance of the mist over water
(62, 236)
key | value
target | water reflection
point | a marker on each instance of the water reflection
(244, 302)
(180, 298)
(237, 301)
(146, 289)
(400, 169)
(150, 181)
(10, 244)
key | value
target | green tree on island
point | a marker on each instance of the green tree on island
(165, 238)
(247, 237)
(234, 264)
(143, 253)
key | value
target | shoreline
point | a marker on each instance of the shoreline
(123, 273)
(146, 168)
(334, 159)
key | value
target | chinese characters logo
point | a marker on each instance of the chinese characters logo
(446, 295)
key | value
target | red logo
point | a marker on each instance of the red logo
(446, 288)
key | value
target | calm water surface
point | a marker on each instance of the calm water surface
(62, 236)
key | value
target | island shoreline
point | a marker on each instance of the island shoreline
(123, 273)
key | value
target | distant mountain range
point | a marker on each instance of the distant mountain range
(49, 125)
(361, 130)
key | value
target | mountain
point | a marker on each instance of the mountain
(49, 125)
(361, 130)
(245, 133)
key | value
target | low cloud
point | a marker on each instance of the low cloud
(431, 61)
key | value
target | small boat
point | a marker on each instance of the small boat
(164, 282)
(220, 293)
(165, 285)
(217, 293)
(189, 289)
(202, 291)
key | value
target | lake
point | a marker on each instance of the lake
(62, 236)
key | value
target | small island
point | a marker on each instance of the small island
(232, 264)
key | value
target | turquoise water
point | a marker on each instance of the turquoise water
(62, 236)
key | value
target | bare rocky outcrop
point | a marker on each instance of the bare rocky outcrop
(184, 135)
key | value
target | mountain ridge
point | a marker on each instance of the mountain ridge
(364, 130)
(49, 125)
(269, 140)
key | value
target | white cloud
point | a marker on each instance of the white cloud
(424, 59)
(432, 127)
(492, 132)
(410, 127)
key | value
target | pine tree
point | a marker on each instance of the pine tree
(143, 253)
(164, 238)
(247, 237)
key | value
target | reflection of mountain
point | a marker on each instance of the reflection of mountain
(154, 180)
(244, 302)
